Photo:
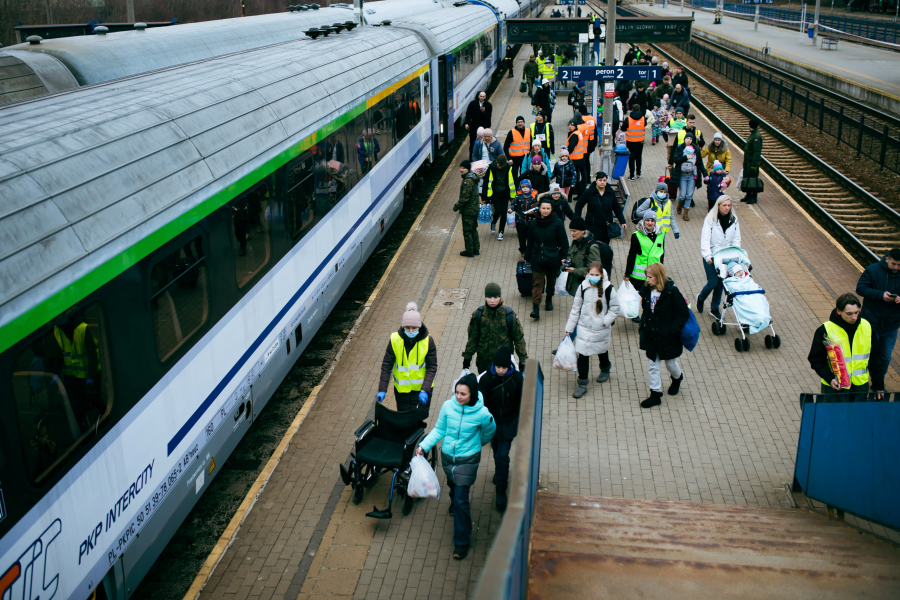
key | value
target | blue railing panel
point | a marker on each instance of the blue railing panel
(847, 456)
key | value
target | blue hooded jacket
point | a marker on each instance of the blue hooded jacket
(464, 429)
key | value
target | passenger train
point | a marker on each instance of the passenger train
(176, 222)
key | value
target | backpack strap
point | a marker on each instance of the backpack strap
(479, 312)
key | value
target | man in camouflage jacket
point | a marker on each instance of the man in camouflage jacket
(490, 328)
(467, 206)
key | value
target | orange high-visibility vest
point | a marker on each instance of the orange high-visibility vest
(592, 126)
(635, 131)
(521, 144)
(580, 147)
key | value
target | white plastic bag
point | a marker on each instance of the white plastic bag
(510, 219)
(629, 301)
(737, 184)
(423, 482)
(560, 287)
(462, 374)
(566, 358)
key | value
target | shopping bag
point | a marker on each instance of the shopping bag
(566, 358)
(462, 374)
(523, 87)
(485, 214)
(510, 219)
(629, 300)
(423, 482)
(690, 333)
(560, 287)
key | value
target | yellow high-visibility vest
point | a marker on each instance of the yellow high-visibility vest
(858, 359)
(409, 376)
(663, 214)
(75, 356)
(512, 185)
(651, 253)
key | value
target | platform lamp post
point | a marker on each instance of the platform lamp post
(756, 19)
(129, 10)
(358, 10)
(606, 148)
(816, 23)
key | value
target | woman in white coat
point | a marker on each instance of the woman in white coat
(594, 310)
(720, 230)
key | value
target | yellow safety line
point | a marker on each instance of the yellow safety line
(249, 500)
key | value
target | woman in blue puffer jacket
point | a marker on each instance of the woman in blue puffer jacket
(465, 425)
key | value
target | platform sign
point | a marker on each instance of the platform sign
(645, 73)
(641, 30)
(538, 31)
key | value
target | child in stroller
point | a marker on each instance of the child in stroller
(745, 297)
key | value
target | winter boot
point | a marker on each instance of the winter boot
(581, 390)
(678, 209)
(549, 306)
(655, 399)
(536, 313)
(501, 498)
(684, 213)
(676, 384)
(603, 377)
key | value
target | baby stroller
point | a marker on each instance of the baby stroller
(386, 445)
(746, 299)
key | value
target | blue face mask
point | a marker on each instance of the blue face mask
(411, 334)
(594, 280)
(661, 195)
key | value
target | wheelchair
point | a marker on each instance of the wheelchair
(386, 445)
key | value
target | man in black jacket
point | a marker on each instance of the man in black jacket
(478, 114)
(542, 100)
(602, 208)
(547, 245)
(501, 385)
(680, 98)
(879, 285)
(852, 332)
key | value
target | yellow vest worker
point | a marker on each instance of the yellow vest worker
(512, 185)
(696, 133)
(663, 214)
(651, 253)
(76, 358)
(857, 356)
(410, 362)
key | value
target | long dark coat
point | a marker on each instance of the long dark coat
(660, 328)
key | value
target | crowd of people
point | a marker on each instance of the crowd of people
(533, 185)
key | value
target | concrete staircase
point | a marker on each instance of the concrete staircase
(583, 547)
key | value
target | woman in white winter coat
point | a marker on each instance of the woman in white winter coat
(720, 230)
(594, 311)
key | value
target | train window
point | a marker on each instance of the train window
(332, 174)
(179, 299)
(382, 119)
(252, 246)
(413, 103)
(368, 149)
(426, 89)
(300, 197)
(62, 386)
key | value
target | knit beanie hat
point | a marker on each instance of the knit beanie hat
(411, 317)
(563, 150)
(492, 290)
(503, 358)
(471, 382)
(526, 183)
(578, 224)
(717, 165)
(689, 149)
(665, 96)
(554, 188)
(536, 160)
(520, 119)
(466, 164)
(662, 187)
(649, 214)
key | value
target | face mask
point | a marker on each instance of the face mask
(594, 280)
(411, 334)
(661, 195)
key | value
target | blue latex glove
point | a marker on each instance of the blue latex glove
(423, 397)
(677, 235)
(380, 396)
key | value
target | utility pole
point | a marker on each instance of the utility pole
(129, 10)
(756, 19)
(358, 11)
(816, 23)
(606, 148)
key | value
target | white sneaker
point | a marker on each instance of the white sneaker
(500, 236)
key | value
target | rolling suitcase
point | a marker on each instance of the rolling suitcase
(523, 278)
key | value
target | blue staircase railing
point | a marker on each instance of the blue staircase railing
(848, 454)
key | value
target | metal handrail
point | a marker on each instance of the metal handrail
(505, 574)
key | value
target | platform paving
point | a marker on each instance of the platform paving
(728, 438)
(866, 66)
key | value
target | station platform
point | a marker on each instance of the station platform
(728, 438)
(870, 68)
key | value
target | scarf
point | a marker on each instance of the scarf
(543, 221)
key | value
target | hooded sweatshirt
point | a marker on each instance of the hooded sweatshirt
(387, 363)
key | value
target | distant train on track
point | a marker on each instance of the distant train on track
(180, 210)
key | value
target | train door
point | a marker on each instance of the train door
(445, 97)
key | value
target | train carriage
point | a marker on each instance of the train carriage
(169, 244)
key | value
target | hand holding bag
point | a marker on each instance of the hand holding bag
(423, 482)
(566, 358)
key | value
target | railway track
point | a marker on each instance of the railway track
(866, 226)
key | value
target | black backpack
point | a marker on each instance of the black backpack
(509, 320)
